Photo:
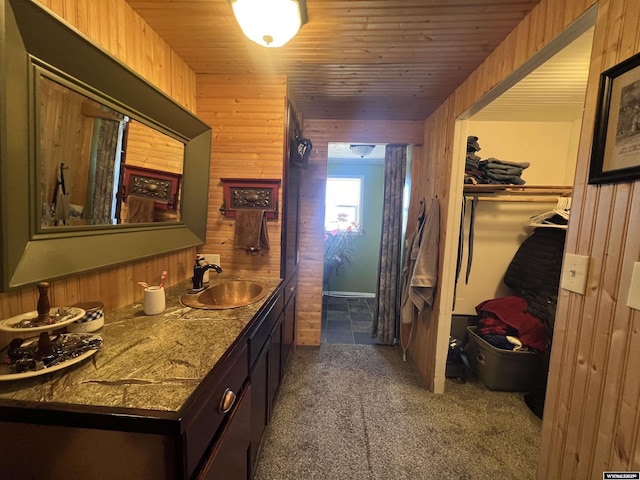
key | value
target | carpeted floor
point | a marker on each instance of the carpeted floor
(359, 412)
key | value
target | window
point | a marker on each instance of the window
(343, 204)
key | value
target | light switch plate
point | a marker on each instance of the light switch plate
(574, 273)
(633, 300)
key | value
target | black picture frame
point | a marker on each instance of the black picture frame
(615, 152)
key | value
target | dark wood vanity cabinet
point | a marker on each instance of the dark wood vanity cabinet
(216, 409)
(292, 174)
(209, 438)
(265, 345)
(289, 322)
(231, 454)
(293, 170)
(217, 433)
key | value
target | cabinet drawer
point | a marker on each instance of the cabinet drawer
(202, 427)
(230, 456)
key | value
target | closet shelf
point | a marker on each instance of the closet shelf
(516, 193)
(517, 189)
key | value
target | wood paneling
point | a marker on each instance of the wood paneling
(114, 26)
(67, 140)
(247, 117)
(356, 59)
(312, 203)
(149, 148)
(591, 421)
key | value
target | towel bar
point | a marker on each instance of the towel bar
(223, 210)
(250, 193)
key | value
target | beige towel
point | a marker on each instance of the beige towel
(251, 230)
(424, 277)
(140, 209)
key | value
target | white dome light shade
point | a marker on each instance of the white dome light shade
(270, 23)
(362, 150)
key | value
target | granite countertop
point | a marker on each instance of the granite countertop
(145, 362)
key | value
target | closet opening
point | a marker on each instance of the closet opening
(511, 188)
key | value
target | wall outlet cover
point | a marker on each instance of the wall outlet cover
(633, 300)
(212, 258)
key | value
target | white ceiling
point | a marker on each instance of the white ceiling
(555, 91)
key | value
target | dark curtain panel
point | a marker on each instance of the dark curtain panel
(106, 155)
(387, 311)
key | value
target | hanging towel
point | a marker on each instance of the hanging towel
(411, 248)
(251, 230)
(62, 207)
(425, 273)
(140, 209)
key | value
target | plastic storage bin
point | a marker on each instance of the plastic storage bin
(501, 369)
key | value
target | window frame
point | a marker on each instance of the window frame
(359, 207)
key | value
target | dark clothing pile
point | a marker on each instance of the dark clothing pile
(491, 170)
(496, 171)
(472, 172)
(507, 316)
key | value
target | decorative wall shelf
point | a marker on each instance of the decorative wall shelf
(162, 186)
(250, 193)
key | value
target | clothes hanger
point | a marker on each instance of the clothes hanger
(562, 209)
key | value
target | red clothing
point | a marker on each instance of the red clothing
(511, 311)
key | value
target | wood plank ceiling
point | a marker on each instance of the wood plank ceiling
(354, 59)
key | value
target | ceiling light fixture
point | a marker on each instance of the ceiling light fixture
(270, 23)
(362, 150)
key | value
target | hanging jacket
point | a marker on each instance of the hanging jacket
(534, 273)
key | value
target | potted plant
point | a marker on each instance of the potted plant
(338, 245)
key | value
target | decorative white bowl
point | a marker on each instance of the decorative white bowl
(92, 320)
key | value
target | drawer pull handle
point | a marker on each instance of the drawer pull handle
(292, 288)
(227, 400)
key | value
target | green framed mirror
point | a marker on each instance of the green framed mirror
(37, 45)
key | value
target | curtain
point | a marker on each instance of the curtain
(106, 158)
(387, 309)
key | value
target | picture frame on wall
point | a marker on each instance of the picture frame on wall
(615, 153)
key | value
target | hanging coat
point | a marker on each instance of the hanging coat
(420, 272)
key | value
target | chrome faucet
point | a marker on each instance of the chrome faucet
(199, 268)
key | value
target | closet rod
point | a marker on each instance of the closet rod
(509, 198)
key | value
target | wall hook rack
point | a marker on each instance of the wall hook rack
(250, 193)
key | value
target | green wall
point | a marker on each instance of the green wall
(361, 274)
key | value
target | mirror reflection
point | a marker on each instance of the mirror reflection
(99, 166)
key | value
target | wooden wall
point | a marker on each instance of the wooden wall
(247, 117)
(114, 26)
(312, 193)
(591, 421)
(67, 140)
(149, 148)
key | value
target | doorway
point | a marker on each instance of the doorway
(353, 222)
(534, 118)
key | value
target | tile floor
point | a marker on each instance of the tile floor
(347, 320)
